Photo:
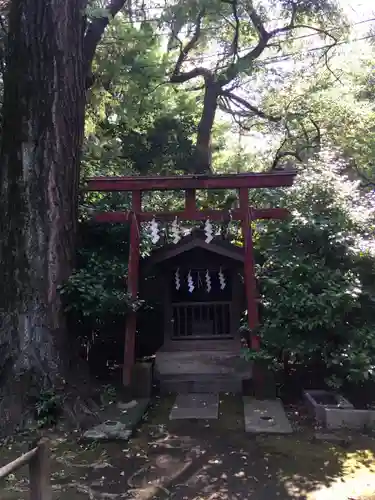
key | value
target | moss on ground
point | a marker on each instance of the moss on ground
(259, 468)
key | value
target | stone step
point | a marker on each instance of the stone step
(214, 363)
(195, 406)
(199, 383)
(233, 345)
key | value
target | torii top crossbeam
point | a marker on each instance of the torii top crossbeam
(190, 183)
(234, 181)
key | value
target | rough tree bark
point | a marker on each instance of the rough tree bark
(203, 159)
(43, 126)
(43, 117)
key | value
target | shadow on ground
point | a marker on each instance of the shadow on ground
(212, 460)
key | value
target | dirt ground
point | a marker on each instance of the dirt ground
(201, 460)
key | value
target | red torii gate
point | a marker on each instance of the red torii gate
(135, 216)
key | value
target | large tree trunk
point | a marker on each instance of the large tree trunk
(43, 125)
(203, 158)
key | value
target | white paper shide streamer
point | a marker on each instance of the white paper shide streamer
(208, 281)
(175, 230)
(177, 279)
(208, 231)
(222, 280)
(155, 236)
(190, 281)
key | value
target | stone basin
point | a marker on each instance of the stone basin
(333, 411)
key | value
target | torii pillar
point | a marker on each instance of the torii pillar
(249, 268)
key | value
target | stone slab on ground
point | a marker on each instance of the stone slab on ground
(333, 437)
(195, 405)
(118, 422)
(265, 416)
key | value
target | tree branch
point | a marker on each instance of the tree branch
(253, 109)
(297, 154)
(232, 71)
(189, 75)
(290, 26)
(264, 37)
(257, 22)
(96, 30)
(236, 29)
(224, 105)
(236, 26)
(179, 77)
(318, 138)
(280, 154)
(284, 154)
(242, 62)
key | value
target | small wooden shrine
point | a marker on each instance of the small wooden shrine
(202, 288)
(205, 282)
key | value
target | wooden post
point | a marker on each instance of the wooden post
(39, 470)
(133, 276)
(249, 268)
(190, 202)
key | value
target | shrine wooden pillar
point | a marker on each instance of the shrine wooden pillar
(133, 279)
(190, 202)
(249, 268)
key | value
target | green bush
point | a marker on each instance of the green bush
(98, 290)
(95, 296)
(48, 408)
(317, 278)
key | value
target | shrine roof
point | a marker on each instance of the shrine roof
(278, 178)
(192, 241)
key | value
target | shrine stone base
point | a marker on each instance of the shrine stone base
(201, 371)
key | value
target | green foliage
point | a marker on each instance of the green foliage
(48, 408)
(95, 296)
(136, 122)
(98, 289)
(108, 395)
(306, 9)
(316, 271)
(341, 108)
(317, 276)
